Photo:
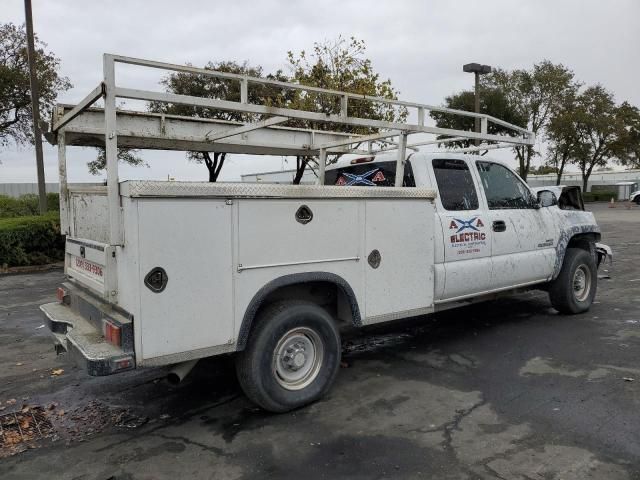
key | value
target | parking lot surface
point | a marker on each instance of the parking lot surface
(502, 390)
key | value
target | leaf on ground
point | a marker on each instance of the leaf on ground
(57, 371)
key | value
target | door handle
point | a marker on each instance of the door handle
(499, 226)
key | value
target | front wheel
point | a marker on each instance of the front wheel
(292, 356)
(575, 288)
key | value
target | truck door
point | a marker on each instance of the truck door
(466, 231)
(524, 236)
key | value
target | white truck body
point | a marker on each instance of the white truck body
(164, 273)
(220, 245)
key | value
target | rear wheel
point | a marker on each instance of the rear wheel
(575, 288)
(291, 358)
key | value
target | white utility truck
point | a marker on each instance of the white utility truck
(166, 273)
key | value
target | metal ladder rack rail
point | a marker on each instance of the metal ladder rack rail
(272, 117)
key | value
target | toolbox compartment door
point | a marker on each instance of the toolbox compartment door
(190, 239)
(402, 284)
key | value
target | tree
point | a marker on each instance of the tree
(492, 102)
(562, 136)
(534, 94)
(339, 65)
(602, 130)
(205, 86)
(629, 141)
(15, 90)
(126, 155)
(542, 170)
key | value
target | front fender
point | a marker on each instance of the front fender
(576, 227)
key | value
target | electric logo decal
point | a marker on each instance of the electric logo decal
(348, 179)
(467, 236)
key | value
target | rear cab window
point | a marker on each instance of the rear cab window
(369, 174)
(455, 185)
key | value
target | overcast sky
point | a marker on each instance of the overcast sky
(420, 45)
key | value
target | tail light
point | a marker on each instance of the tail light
(63, 296)
(111, 333)
(357, 161)
(124, 363)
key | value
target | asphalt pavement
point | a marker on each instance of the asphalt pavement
(502, 390)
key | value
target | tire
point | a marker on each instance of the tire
(292, 356)
(575, 288)
(637, 200)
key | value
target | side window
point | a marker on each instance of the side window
(455, 185)
(502, 188)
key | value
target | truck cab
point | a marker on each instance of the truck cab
(493, 233)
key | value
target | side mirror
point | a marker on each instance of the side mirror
(546, 198)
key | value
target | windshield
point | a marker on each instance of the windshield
(379, 174)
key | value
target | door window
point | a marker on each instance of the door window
(502, 188)
(455, 185)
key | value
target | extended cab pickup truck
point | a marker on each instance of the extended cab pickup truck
(270, 272)
(166, 273)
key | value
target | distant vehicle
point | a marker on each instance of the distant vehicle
(166, 273)
(635, 197)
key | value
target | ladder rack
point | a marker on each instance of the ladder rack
(84, 125)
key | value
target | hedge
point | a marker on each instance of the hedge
(31, 240)
(599, 196)
(26, 205)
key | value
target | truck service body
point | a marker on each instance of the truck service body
(166, 273)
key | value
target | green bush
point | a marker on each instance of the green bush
(599, 196)
(26, 205)
(32, 240)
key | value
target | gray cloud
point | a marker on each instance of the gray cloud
(419, 44)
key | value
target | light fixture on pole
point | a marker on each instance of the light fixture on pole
(477, 69)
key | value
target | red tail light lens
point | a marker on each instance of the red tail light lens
(62, 295)
(111, 333)
(356, 161)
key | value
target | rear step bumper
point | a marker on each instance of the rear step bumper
(84, 343)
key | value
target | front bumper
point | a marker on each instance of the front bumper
(86, 345)
(604, 253)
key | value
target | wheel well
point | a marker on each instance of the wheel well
(585, 241)
(329, 291)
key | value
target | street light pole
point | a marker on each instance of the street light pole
(477, 103)
(35, 107)
(477, 69)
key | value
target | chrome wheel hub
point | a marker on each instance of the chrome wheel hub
(297, 358)
(581, 283)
